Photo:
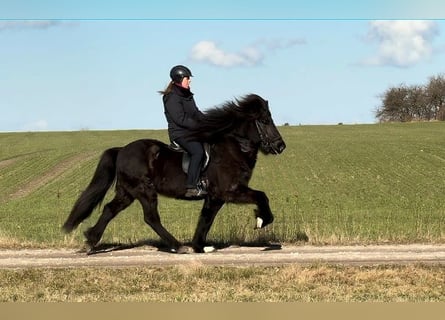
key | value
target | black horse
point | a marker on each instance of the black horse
(236, 131)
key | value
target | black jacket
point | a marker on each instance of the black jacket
(181, 112)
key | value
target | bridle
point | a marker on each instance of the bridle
(261, 128)
(261, 131)
(264, 137)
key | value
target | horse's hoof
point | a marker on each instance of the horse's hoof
(91, 240)
(259, 223)
(209, 249)
(91, 250)
(181, 250)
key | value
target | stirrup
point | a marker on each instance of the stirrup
(195, 193)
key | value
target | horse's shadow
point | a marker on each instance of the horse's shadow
(111, 247)
(117, 246)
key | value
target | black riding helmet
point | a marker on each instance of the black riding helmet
(177, 73)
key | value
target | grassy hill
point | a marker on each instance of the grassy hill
(333, 184)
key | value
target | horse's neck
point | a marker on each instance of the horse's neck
(246, 145)
(241, 148)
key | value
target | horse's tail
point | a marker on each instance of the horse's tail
(93, 195)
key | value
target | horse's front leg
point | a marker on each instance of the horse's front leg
(263, 214)
(208, 214)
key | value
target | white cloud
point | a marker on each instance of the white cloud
(210, 52)
(27, 24)
(401, 43)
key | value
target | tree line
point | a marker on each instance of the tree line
(414, 103)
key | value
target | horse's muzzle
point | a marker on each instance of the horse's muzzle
(275, 147)
(278, 146)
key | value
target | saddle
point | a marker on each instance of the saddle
(186, 157)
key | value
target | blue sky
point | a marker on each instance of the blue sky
(98, 65)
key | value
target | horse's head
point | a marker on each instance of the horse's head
(248, 118)
(266, 132)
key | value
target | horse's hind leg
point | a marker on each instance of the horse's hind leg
(149, 201)
(208, 214)
(121, 201)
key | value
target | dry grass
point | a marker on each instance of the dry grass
(294, 283)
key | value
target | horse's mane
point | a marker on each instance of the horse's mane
(223, 119)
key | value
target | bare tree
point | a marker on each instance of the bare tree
(394, 105)
(416, 103)
(408, 103)
(435, 95)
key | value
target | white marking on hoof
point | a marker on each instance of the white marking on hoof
(259, 222)
(209, 249)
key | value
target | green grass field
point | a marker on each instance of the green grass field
(340, 184)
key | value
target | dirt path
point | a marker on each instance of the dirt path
(231, 256)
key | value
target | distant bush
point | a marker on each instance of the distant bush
(414, 103)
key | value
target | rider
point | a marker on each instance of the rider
(182, 114)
